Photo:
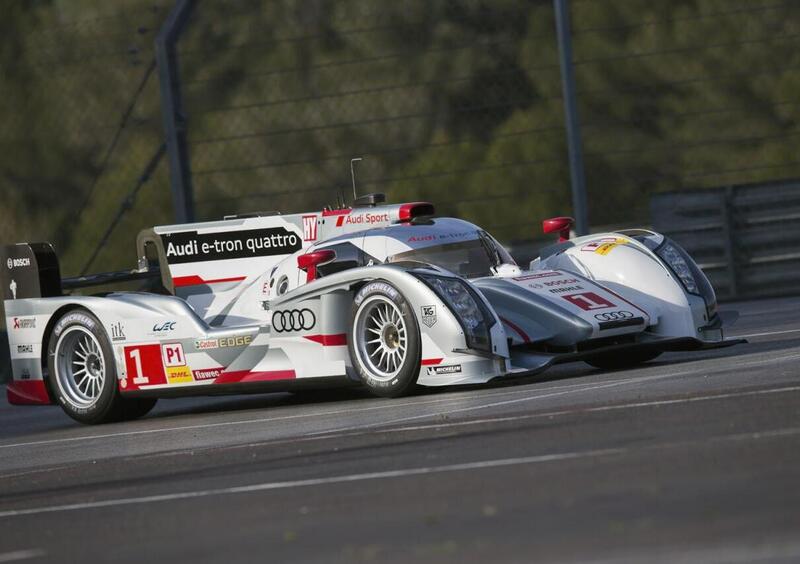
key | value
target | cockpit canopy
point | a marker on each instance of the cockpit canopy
(452, 244)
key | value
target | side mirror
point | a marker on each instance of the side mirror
(560, 224)
(310, 261)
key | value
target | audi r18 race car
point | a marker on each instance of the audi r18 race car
(385, 296)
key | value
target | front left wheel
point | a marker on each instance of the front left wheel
(384, 341)
(82, 374)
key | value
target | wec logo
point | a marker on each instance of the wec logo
(164, 327)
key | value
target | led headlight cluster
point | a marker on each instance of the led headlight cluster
(467, 307)
(687, 271)
(672, 255)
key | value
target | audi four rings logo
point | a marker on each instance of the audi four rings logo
(293, 320)
(613, 316)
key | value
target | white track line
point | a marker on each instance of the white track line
(549, 414)
(480, 422)
(767, 334)
(18, 555)
(383, 405)
(639, 380)
(315, 482)
(389, 474)
(502, 419)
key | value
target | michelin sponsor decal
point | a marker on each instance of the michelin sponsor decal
(191, 246)
(440, 370)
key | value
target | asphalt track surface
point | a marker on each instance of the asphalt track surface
(694, 457)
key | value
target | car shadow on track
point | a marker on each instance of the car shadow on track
(572, 371)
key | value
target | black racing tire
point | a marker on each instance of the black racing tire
(81, 370)
(389, 366)
(619, 360)
(134, 408)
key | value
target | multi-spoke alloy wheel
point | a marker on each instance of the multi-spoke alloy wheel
(82, 375)
(382, 336)
(384, 343)
(80, 366)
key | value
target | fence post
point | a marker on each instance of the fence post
(728, 228)
(172, 114)
(572, 122)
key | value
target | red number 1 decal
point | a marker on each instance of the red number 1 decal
(588, 301)
(138, 378)
(144, 366)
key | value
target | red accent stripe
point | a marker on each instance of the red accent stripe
(340, 221)
(431, 361)
(329, 213)
(339, 340)
(180, 281)
(27, 392)
(238, 376)
(517, 329)
(333, 213)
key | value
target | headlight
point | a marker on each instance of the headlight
(689, 273)
(467, 307)
(670, 254)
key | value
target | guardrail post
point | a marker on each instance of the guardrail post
(571, 114)
(728, 229)
(172, 114)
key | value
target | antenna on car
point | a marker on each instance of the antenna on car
(353, 175)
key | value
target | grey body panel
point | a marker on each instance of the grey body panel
(539, 318)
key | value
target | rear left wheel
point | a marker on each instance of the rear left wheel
(82, 373)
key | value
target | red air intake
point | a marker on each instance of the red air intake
(415, 209)
(560, 224)
(310, 261)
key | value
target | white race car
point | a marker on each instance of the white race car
(380, 295)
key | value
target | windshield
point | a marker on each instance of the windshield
(470, 259)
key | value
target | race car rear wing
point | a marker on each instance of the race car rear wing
(31, 270)
(207, 257)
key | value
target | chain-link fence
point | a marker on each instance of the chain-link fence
(80, 121)
(454, 101)
(459, 102)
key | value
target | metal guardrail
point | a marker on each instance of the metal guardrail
(746, 238)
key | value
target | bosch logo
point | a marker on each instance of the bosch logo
(613, 316)
(293, 320)
(12, 262)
